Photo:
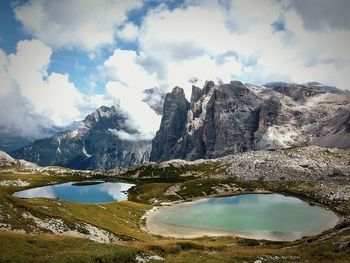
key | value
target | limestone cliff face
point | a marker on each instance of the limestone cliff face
(92, 146)
(231, 118)
(220, 120)
(172, 125)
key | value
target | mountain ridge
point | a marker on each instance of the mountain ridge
(232, 118)
(218, 120)
(91, 146)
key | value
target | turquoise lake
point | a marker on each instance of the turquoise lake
(92, 192)
(263, 216)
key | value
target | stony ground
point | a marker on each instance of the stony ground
(39, 230)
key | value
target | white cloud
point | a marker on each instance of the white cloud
(318, 14)
(198, 41)
(127, 82)
(141, 117)
(6, 82)
(207, 40)
(18, 117)
(129, 32)
(82, 24)
(184, 33)
(125, 67)
(123, 135)
(201, 40)
(35, 100)
(53, 96)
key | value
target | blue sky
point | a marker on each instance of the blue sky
(73, 61)
(60, 60)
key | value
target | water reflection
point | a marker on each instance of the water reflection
(272, 216)
(47, 192)
(90, 193)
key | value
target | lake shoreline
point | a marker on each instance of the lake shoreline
(155, 227)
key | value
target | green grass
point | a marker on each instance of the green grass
(203, 187)
(145, 193)
(26, 248)
(174, 171)
(123, 219)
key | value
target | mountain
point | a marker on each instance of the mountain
(94, 145)
(10, 142)
(231, 118)
(6, 161)
(218, 120)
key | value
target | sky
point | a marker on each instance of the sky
(61, 60)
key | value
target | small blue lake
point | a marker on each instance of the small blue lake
(260, 216)
(81, 192)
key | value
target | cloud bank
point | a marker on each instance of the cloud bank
(169, 45)
(31, 99)
(80, 24)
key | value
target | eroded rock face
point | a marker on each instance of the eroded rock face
(297, 92)
(172, 124)
(232, 118)
(220, 120)
(94, 145)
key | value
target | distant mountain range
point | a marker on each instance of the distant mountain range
(218, 120)
(94, 145)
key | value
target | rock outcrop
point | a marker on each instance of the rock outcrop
(232, 118)
(174, 118)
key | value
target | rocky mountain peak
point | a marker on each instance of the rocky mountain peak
(174, 118)
(219, 120)
(231, 118)
(177, 92)
(196, 93)
(5, 158)
(96, 144)
(209, 85)
(100, 113)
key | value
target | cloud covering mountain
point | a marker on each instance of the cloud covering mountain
(67, 58)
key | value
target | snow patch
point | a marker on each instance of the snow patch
(85, 153)
(279, 136)
(58, 147)
(74, 133)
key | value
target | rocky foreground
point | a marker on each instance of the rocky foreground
(318, 175)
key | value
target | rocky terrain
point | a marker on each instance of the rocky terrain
(94, 145)
(6, 161)
(304, 164)
(231, 118)
(317, 175)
